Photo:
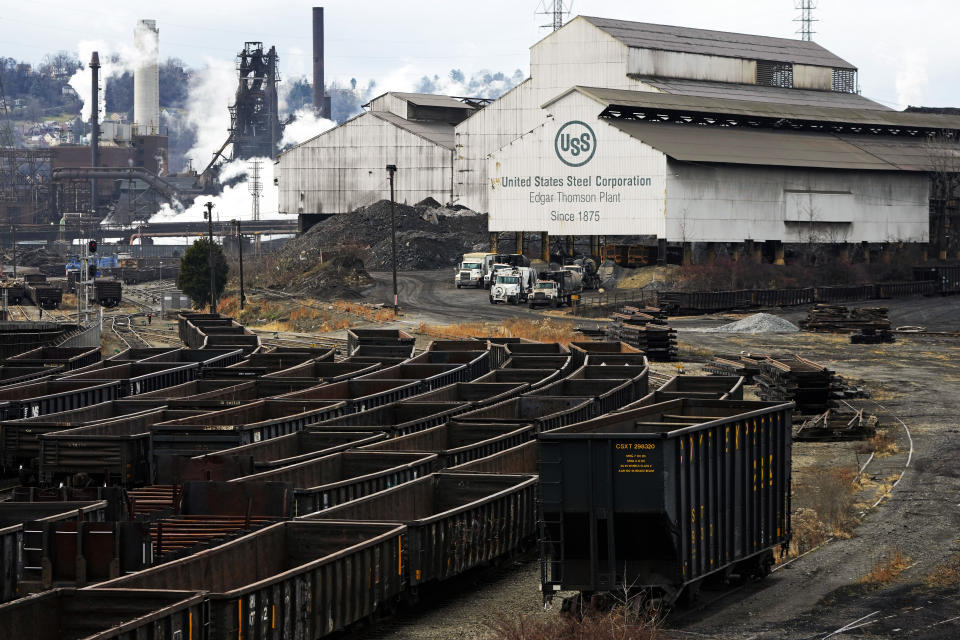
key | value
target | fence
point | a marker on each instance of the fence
(694, 302)
(599, 304)
(88, 336)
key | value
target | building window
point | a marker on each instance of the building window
(845, 80)
(775, 74)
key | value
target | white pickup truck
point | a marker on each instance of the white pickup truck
(512, 285)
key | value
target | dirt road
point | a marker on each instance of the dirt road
(433, 296)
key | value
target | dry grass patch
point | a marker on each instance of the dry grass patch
(946, 575)
(886, 568)
(542, 330)
(372, 313)
(808, 530)
(881, 444)
(830, 493)
(282, 315)
(618, 624)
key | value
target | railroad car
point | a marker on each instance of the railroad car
(457, 443)
(454, 521)
(357, 338)
(536, 378)
(396, 418)
(292, 579)
(14, 290)
(429, 376)
(107, 293)
(321, 483)
(44, 295)
(118, 615)
(662, 498)
(477, 362)
(478, 394)
(21, 545)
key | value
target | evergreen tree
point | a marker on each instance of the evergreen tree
(194, 276)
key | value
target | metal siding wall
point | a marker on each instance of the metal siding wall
(617, 154)
(733, 203)
(343, 169)
(391, 104)
(673, 64)
(577, 54)
(513, 114)
(810, 77)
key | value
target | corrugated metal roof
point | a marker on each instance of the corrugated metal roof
(731, 145)
(758, 93)
(439, 133)
(699, 104)
(643, 35)
(431, 100)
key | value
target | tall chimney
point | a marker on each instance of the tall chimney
(94, 123)
(146, 78)
(321, 102)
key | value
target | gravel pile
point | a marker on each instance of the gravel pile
(429, 236)
(757, 323)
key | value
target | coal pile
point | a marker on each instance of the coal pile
(322, 275)
(429, 236)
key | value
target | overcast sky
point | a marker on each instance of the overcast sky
(906, 51)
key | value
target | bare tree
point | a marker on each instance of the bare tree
(61, 64)
(943, 158)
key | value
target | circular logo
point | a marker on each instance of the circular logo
(575, 143)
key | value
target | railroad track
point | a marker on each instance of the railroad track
(127, 334)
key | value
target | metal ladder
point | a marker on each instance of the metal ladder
(551, 565)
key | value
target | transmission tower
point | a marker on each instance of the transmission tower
(255, 186)
(556, 10)
(806, 18)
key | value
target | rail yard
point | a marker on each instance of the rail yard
(200, 446)
(655, 337)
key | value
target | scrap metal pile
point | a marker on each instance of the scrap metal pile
(155, 476)
(871, 323)
(645, 329)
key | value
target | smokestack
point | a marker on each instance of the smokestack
(94, 123)
(146, 78)
(321, 102)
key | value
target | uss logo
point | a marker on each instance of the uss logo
(575, 143)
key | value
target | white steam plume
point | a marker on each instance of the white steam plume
(212, 90)
(305, 125)
(911, 80)
(235, 202)
(115, 60)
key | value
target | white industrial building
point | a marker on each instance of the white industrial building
(343, 168)
(627, 128)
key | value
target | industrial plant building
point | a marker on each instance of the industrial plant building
(626, 129)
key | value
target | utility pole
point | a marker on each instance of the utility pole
(391, 170)
(213, 276)
(243, 297)
(13, 231)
